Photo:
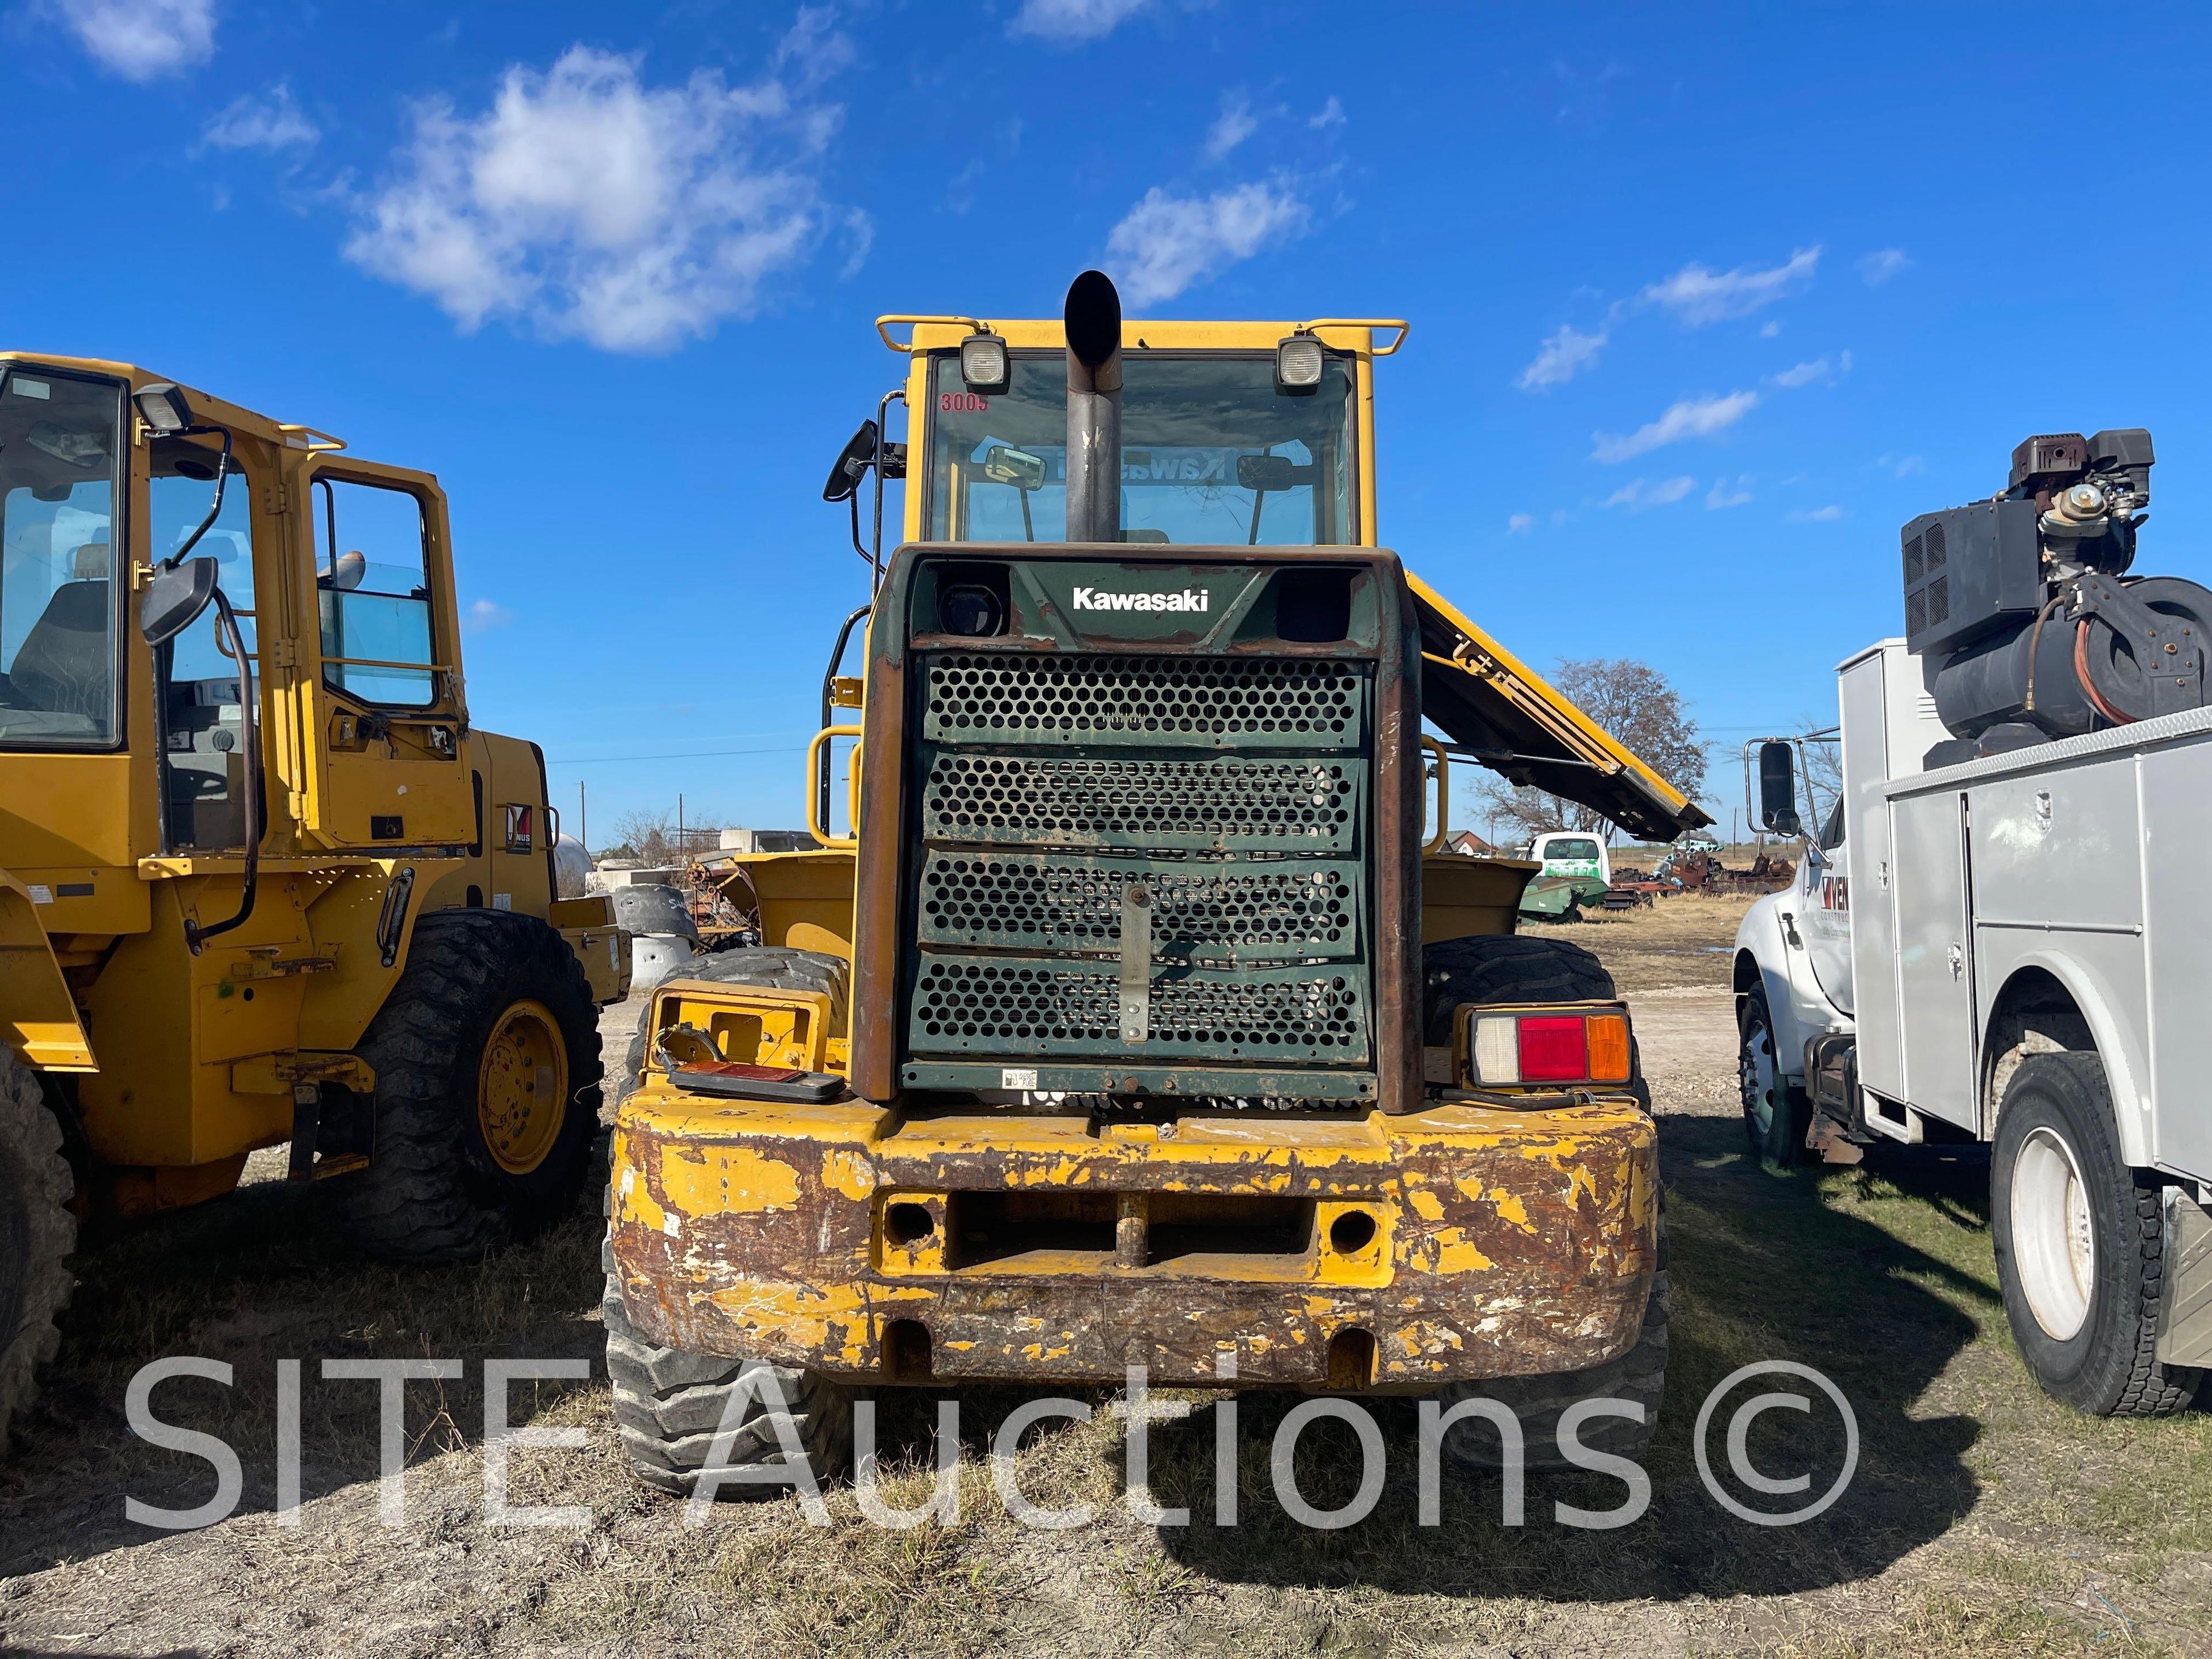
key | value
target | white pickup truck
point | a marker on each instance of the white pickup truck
(2015, 950)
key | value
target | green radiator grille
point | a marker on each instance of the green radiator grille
(1230, 702)
(1233, 805)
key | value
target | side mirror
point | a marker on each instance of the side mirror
(853, 464)
(1265, 472)
(175, 598)
(1014, 466)
(1777, 788)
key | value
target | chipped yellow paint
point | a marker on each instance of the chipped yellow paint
(1456, 1253)
(1426, 1204)
(848, 1173)
(736, 1181)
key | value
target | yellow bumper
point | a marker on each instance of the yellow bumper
(1376, 1252)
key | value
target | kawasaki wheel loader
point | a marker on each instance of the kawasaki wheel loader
(1139, 1018)
(261, 883)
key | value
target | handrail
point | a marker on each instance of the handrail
(885, 324)
(1444, 794)
(815, 827)
(1403, 327)
(310, 438)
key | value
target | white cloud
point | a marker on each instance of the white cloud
(1691, 417)
(1332, 115)
(1804, 373)
(1561, 357)
(1235, 125)
(1818, 516)
(141, 40)
(1768, 331)
(1695, 295)
(1165, 243)
(1520, 524)
(597, 208)
(484, 614)
(1638, 495)
(1878, 267)
(1724, 494)
(1901, 466)
(1066, 23)
(272, 122)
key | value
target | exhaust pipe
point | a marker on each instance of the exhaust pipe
(1093, 319)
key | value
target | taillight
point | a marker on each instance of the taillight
(1519, 1046)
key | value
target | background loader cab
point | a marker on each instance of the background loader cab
(261, 882)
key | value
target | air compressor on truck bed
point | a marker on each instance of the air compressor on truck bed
(1139, 1021)
(2002, 932)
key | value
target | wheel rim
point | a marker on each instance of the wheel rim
(1755, 1076)
(2054, 1244)
(522, 1087)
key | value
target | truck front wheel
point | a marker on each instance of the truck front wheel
(1775, 1113)
(2080, 1245)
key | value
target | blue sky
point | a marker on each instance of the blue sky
(1706, 300)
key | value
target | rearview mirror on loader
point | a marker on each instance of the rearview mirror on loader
(853, 464)
(1777, 788)
(175, 598)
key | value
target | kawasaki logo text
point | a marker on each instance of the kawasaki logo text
(1092, 598)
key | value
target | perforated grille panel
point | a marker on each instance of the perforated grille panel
(1234, 806)
(1230, 702)
(1011, 1006)
(1239, 912)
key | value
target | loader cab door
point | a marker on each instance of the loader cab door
(383, 700)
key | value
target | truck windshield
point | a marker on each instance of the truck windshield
(59, 440)
(1211, 453)
(1569, 848)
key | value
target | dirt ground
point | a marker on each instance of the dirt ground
(1982, 1519)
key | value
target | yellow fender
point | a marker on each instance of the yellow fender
(38, 1017)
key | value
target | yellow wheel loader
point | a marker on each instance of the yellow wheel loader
(261, 883)
(1135, 1016)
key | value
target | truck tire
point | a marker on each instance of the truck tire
(669, 1404)
(772, 967)
(1638, 1376)
(472, 1141)
(1515, 967)
(1776, 1114)
(2080, 1245)
(37, 1233)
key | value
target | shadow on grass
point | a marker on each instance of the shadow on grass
(262, 1275)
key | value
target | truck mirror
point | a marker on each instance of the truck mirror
(1014, 466)
(853, 464)
(1777, 788)
(175, 598)
(1270, 472)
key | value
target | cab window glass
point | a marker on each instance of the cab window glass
(59, 438)
(202, 723)
(373, 585)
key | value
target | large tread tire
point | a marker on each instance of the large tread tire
(2109, 1366)
(37, 1232)
(1638, 1376)
(669, 1404)
(433, 1190)
(1504, 967)
(775, 967)
(1775, 1125)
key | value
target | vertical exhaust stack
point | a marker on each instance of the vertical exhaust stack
(1093, 319)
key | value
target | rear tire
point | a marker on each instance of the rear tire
(669, 1404)
(2080, 1245)
(773, 967)
(37, 1233)
(1638, 1376)
(487, 1062)
(1776, 1114)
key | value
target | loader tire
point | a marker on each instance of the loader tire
(487, 1063)
(37, 1233)
(1638, 1376)
(1515, 967)
(773, 967)
(669, 1406)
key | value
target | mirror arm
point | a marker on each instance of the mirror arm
(249, 744)
(214, 511)
(896, 394)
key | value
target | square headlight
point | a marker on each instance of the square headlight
(983, 365)
(1298, 363)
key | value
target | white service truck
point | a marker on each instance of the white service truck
(2002, 932)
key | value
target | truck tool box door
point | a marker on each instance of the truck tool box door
(1935, 956)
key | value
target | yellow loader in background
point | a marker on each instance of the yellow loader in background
(261, 882)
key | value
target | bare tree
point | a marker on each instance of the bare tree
(1824, 766)
(648, 837)
(1641, 708)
